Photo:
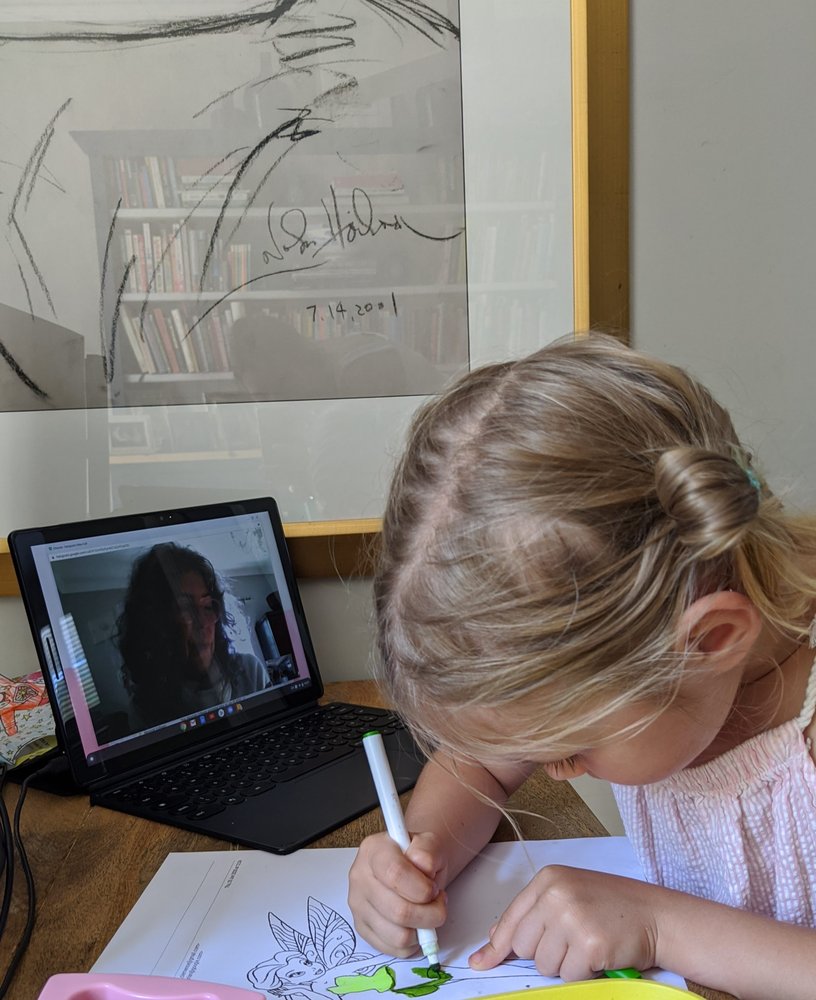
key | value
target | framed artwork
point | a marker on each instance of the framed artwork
(279, 227)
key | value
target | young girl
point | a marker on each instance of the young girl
(582, 570)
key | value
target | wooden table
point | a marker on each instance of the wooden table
(91, 864)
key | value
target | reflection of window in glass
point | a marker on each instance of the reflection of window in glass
(79, 662)
(52, 658)
(329, 205)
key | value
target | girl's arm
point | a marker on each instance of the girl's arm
(748, 955)
(459, 803)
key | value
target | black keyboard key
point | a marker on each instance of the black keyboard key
(259, 787)
(334, 753)
(205, 811)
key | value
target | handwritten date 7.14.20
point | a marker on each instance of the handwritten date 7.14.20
(352, 311)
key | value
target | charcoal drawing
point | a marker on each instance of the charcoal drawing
(270, 162)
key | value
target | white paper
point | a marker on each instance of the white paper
(281, 925)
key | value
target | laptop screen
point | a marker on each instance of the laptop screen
(161, 631)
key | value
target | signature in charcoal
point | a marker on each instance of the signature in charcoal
(341, 225)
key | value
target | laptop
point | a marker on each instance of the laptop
(183, 680)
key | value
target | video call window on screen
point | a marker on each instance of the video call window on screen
(168, 629)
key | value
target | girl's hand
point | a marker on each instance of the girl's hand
(391, 893)
(577, 923)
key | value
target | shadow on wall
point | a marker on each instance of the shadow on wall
(42, 364)
(270, 360)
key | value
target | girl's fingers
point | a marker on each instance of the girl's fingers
(388, 921)
(399, 875)
(390, 896)
(425, 854)
(389, 938)
(397, 910)
(487, 957)
(552, 954)
(515, 933)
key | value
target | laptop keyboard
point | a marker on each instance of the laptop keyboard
(206, 785)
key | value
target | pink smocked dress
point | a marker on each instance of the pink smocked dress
(739, 829)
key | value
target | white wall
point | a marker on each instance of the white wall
(340, 617)
(724, 213)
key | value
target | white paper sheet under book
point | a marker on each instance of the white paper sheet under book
(282, 925)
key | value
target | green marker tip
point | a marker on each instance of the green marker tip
(623, 974)
(371, 732)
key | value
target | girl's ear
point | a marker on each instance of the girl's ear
(722, 626)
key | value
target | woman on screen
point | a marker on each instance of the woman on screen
(174, 637)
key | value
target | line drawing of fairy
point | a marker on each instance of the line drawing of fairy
(324, 964)
(307, 964)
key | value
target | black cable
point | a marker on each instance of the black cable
(3, 859)
(10, 844)
(7, 844)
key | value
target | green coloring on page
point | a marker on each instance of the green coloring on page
(381, 981)
(437, 977)
(384, 981)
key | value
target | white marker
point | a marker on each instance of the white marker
(395, 822)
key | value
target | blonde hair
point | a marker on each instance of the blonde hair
(548, 524)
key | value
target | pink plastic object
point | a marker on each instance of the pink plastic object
(115, 986)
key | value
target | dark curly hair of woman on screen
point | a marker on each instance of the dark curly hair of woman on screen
(174, 635)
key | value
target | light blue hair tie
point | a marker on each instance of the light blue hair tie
(753, 479)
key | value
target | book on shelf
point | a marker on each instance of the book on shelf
(206, 339)
(167, 334)
(137, 343)
(186, 273)
(154, 344)
(176, 340)
(147, 243)
(160, 182)
(184, 338)
(203, 343)
(129, 255)
(238, 264)
(158, 258)
(169, 259)
(140, 266)
(156, 182)
(180, 281)
(168, 180)
(146, 196)
(220, 342)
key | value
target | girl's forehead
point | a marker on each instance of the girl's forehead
(522, 732)
(491, 733)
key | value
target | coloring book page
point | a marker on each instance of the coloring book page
(281, 925)
(26, 720)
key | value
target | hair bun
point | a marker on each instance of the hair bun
(711, 498)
